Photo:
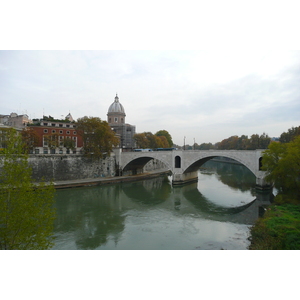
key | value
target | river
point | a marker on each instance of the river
(214, 213)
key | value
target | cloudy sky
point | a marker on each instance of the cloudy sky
(206, 95)
(244, 84)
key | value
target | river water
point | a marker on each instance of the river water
(215, 213)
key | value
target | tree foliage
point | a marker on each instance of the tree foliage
(288, 136)
(166, 134)
(27, 212)
(282, 163)
(244, 143)
(30, 139)
(162, 139)
(98, 138)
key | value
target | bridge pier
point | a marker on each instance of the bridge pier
(262, 185)
(184, 178)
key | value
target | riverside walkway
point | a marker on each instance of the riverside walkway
(107, 180)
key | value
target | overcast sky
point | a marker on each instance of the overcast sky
(207, 95)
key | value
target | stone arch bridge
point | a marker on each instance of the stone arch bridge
(184, 165)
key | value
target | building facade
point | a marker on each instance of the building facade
(57, 136)
(116, 120)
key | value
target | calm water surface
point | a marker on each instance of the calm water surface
(214, 213)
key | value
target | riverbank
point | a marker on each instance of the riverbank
(278, 229)
(64, 184)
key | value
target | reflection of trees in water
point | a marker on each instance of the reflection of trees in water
(149, 192)
(236, 176)
(93, 214)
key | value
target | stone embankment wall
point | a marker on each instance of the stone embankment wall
(71, 167)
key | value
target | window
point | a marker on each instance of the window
(53, 131)
(45, 130)
(45, 141)
(68, 132)
(75, 141)
(53, 124)
(74, 132)
(116, 119)
(61, 132)
(177, 162)
(260, 163)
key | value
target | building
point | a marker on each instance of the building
(116, 120)
(14, 120)
(57, 136)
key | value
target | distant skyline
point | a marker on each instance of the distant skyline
(202, 95)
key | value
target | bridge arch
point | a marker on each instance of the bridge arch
(198, 162)
(136, 164)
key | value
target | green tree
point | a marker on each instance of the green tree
(288, 136)
(167, 135)
(98, 138)
(27, 213)
(282, 163)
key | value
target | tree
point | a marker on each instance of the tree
(27, 212)
(162, 139)
(69, 143)
(282, 163)
(98, 138)
(52, 141)
(166, 134)
(141, 140)
(30, 139)
(287, 137)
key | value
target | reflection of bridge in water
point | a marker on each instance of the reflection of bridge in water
(184, 165)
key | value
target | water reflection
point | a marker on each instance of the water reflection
(151, 214)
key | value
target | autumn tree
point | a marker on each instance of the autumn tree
(27, 213)
(98, 137)
(167, 135)
(30, 139)
(141, 140)
(162, 139)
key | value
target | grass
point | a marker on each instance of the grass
(279, 229)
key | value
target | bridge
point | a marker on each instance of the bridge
(184, 165)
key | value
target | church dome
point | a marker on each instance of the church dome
(116, 106)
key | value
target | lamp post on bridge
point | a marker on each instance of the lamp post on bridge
(184, 143)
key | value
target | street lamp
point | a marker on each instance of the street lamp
(184, 143)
